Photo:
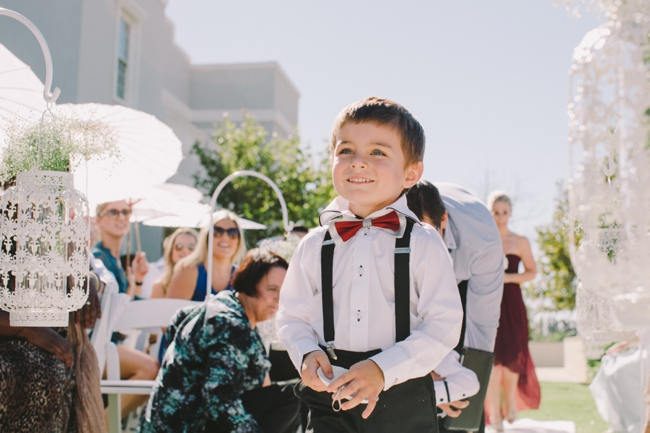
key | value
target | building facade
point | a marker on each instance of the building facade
(123, 52)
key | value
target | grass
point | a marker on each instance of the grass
(568, 402)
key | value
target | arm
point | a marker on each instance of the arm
(530, 267)
(137, 271)
(183, 282)
(484, 291)
(293, 317)
(453, 382)
(157, 290)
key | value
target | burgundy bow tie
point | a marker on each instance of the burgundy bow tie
(347, 229)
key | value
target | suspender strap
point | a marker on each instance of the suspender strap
(326, 265)
(402, 311)
(462, 291)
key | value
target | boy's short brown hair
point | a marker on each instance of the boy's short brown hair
(385, 112)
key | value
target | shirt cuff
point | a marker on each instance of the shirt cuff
(454, 389)
(389, 368)
(299, 349)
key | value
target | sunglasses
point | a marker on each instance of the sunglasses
(233, 233)
(180, 247)
(116, 212)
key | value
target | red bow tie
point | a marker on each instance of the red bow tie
(347, 229)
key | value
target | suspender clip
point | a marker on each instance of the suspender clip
(329, 347)
(406, 250)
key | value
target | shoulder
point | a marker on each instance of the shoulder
(186, 270)
(425, 238)
(310, 244)
(522, 241)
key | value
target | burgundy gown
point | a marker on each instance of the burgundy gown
(511, 345)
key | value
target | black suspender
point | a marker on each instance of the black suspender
(402, 312)
(462, 291)
(326, 265)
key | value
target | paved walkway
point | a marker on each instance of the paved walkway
(526, 425)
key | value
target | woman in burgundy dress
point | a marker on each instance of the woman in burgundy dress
(513, 385)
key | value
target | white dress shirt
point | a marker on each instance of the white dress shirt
(475, 247)
(458, 382)
(363, 293)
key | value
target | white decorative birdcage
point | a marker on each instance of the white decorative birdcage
(44, 249)
(609, 188)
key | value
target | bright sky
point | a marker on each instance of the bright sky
(487, 79)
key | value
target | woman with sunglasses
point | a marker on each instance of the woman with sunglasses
(189, 279)
(176, 246)
(112, 222)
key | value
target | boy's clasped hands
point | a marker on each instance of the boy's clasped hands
(362, 383)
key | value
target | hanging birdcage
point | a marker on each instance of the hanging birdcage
(44, 249)
(609, 188)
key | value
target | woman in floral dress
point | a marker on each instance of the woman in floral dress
(215, 355)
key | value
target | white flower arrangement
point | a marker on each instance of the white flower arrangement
(54, 144)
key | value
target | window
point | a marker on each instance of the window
(123, 42)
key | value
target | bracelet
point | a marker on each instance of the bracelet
(138, 283)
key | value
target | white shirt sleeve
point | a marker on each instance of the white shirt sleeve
(458, 382)
(484, 291)
(439, 311)
(293, 317)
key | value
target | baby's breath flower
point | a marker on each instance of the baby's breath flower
(53, 142)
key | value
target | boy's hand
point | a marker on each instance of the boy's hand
(310, 365)
(365, 380)
(453, 409)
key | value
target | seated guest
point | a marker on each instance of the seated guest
(38, 390)
(176, 246)
(189, 280)
(216, 356)
(112, 222)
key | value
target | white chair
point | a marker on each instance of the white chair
(149, 315)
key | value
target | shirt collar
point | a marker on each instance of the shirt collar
(339, 210)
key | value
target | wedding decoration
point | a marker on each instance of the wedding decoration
(609, 188)
(44, 252)
(44, 230)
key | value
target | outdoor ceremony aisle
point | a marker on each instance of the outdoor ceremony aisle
(526, 425)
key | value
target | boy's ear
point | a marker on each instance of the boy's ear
(413, 174)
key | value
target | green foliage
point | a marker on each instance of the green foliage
(558, 278)
(305, 185)
(568, 402)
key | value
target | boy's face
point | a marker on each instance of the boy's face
(368, 166)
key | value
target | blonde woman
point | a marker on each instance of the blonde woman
(190, 274)
(176, 246)
(513, 374)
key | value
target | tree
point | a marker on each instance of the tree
(304, 183)
(558, 278)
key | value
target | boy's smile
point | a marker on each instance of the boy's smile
(369, 168)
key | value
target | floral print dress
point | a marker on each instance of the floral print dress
(214, 356)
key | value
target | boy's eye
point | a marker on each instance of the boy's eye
(377, 152)
(345, 150)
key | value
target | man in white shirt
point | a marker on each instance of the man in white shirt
(474, 243)
(349, 300)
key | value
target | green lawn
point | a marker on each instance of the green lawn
(568, 402)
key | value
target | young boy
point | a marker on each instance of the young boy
(372, 290)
